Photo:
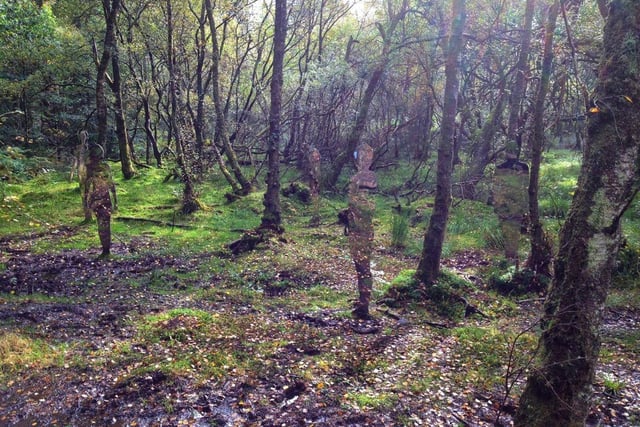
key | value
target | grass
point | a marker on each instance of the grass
(484, 353)
(226, 335)
(371, 399)
(20, 352)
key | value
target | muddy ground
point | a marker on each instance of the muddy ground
(95, 306)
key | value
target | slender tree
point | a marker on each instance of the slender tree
(429, 264)
(540, 255)
(111, 9)
(559, 390)
(124, 146)
(519, 86)
(353, 139)
(241, 185)
(271, 217)
(183, 131)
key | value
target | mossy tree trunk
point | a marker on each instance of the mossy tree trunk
(429, 264)
(558, 392)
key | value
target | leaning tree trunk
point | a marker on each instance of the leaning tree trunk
(271, 217)
(558, 392)
(540, 256)
(353, 139)
(241, 185)
(429, 265)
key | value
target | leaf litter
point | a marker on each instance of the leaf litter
(145, 344)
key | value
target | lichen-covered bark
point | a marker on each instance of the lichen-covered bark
(558, 392)
(429, 264)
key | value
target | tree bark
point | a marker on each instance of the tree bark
(540, 256)
(179, 124)
(241, 186)
(519, 88)
(126, 156)
(429, 265)
(111, 13)
(559, 392)
(271, 216)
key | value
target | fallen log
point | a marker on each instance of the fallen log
(153, 221)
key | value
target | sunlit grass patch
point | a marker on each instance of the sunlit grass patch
(371, 399)
(177, 325)
(19, 352)
(484, 354)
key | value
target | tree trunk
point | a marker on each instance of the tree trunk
(111, 13)
(271, 217)
(519, 88)
(151, 139)
(126, 158)
(353, 139)
(429, 265)
(540, 256)
(241, 186)
(179, 124)
(483, 155)
(559, 391)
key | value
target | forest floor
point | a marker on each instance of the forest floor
(149, 339)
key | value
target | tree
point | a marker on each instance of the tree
(40, 76)
(111, 15)
(271, 217)
(183, 131)
(518, 89)
(540, 255)
(375, 77)
(124, 147)
(429, 264)
(242, 186)
(558, 391)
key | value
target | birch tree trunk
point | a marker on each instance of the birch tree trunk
(559, 390)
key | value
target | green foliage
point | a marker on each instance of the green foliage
(469, 225)
(26, 37)
(177, 325)
(627, 267)
(371, 399)
(444, 295)
(17, 167)
(486, 352)
(612, 385)
(558, 179)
